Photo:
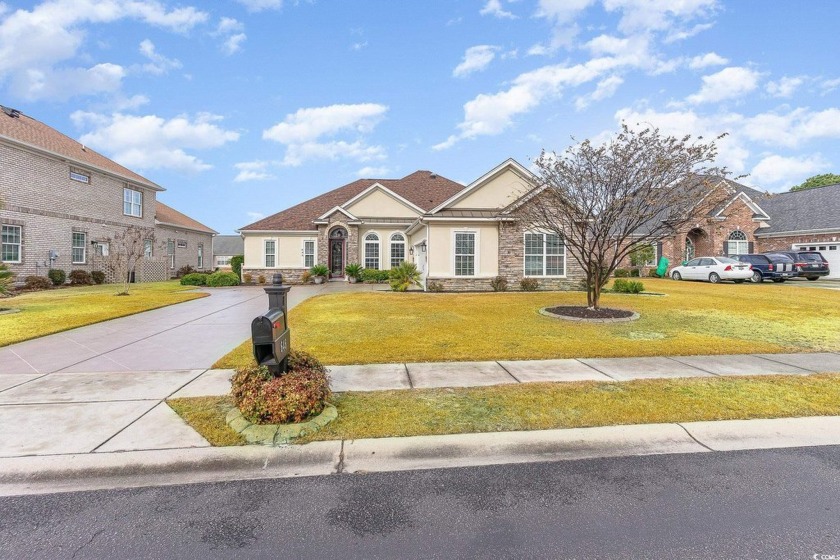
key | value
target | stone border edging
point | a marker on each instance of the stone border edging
(278, 434)
(544, 311)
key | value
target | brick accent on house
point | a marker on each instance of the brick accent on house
(184, 255)
(290, 275)
(785, 243)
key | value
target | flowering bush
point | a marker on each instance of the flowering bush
(291, 397)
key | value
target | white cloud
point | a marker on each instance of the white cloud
(775, 170)
(794, 128)
(828, 86)
(255, 216)
(682, 34)
(233, 33)
(253, 171)
(706, 60)
(729, 83)
(233, 44)
(606, 88)
(158, 64)
(784, 87)
(561, 14)
(36, 45)
(303, 132)
(658, 15)
(372, 172)
(476, 59)
(152, 142)
(260, 5)
(494, 8)
(229, 25)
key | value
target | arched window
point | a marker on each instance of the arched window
(397, 250)
(737, 244)
(689, 249)
(372, 251)
(338, 233)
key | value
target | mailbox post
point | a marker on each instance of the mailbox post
(270, 331)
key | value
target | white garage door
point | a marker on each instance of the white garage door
(831, 253)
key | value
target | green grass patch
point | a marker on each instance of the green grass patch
(694, 318)
(207, 416)
(52, 311)
(542, 406)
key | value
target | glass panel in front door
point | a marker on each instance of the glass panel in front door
(337, 258)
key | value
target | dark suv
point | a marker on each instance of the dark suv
(810, 264)
(773, 266)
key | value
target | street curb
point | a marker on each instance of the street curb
(92, 471)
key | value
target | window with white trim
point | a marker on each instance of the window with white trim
(222, 261)
(397, 250)
(11, 243)
(372, 251)
(170, 252)
(737, 244)
(464, 253)
(308, 254)
(545, 254)
(270, 253)
(200, 256)
(147, 248)
(79, 247)
(102, 249)
(132, 203)
(80, 176)
(182, 243)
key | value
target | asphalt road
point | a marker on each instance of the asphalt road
(748, 504)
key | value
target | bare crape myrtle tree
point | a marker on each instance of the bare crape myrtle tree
(126, 249)
(638, 187)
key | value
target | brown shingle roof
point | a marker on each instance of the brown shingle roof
(169, 216)
(28, 131)
(422, 188)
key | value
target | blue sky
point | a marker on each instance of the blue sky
(243, 108)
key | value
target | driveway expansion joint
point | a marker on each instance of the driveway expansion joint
(694, 438)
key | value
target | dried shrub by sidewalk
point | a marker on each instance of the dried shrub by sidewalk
(292, 397)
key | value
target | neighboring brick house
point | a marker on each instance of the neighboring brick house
(62, 200)
(225, 247)
(184, 241)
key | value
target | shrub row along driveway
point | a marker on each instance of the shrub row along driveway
(693, 318)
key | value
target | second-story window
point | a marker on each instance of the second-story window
(132, 203)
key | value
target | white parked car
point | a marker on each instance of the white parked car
(713, 269)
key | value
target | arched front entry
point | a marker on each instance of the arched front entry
(697, 243)
(337, 252)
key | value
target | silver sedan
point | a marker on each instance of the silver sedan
(713, 269)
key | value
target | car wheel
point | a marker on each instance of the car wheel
(812, 278)
(738, 281)
(757, 278)
(714, 278)
(676, 276)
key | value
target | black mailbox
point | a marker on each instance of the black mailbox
(270, 332)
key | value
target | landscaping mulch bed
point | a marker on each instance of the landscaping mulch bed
(586, 313)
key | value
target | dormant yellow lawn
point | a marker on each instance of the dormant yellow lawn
(693, 318)
(52, 311)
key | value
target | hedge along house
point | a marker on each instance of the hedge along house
(459, 237)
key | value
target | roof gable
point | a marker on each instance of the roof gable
(168, 216)
(380, 201)
(498, 188)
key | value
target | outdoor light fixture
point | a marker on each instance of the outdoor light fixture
(423, 246)
(411, 251)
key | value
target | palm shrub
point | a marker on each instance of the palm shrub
(320, 270)
(6, 279)
(403, 276)
(291, 397)
(354, 270)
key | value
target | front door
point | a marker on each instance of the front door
(336, 258)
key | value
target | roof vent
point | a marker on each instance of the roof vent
(14, 113)
(432, 175)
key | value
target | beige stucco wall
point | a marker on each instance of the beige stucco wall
(378, 204)
(441, 248)
(498, 192)
(289, 248)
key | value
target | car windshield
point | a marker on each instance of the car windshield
(726, 260)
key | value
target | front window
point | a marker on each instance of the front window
(102, 249)
(200, 255)
(79, 248)
(147, 248)
(545, 254)
(11, 238)
(170, 252)
(372, 251)
(270, 253)
(397, 250)
(132, 203)
(737, 244)
(464, 253)
(222, 261)
(308, 254)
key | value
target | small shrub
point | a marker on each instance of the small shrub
(261, 279)
(320, 270)
(57, 276)
(291, 397)
(218, 279)
(621, 273)
(374, 276)
(98, 277)
(627, 286)
(529, 284)
(80, 278)
(353, 270)
(635, 273)
(305, 277)
(194, 279)
(236, 264)
(38, 283)
(499, 284)
(6, 279)
(434, 286)
(184, 270)
(403, 276)
(247, 278)
(652, 273)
